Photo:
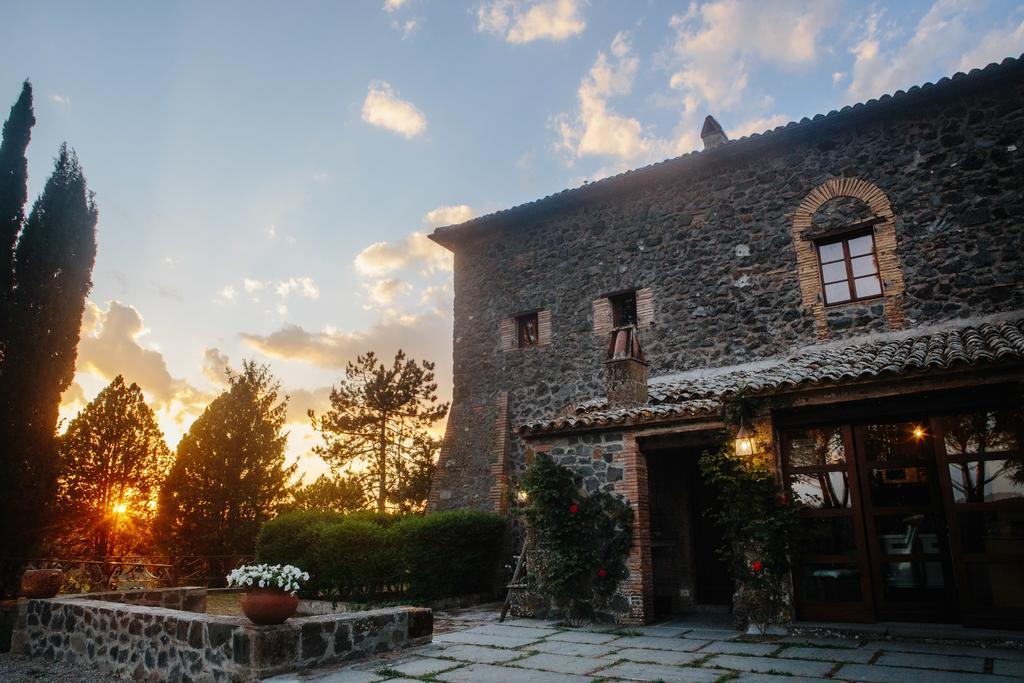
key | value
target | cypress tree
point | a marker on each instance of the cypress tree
(53, 264)
(13, 191)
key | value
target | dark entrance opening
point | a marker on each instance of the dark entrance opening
(686, 570)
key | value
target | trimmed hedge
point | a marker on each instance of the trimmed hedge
(370, 556)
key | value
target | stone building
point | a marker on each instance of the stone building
(859, 273)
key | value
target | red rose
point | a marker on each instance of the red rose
(602, 573)
(782, 499)
(756, 565)
(574, 508)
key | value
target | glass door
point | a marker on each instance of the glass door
(904, 522)
(982, 468)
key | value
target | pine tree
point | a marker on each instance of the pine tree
(377, 426)
(53, 263)
(329, 494)
(113, 460)
(229, 474)
(13, 191)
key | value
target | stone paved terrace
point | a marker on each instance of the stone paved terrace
(471, 647)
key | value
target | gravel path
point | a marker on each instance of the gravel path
(18, 669)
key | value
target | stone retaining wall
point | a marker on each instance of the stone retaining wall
(159, 644)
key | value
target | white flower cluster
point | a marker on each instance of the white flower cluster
(286, 577)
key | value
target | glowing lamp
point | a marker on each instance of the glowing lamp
(521, 496)
(918, 432)
(744, 441)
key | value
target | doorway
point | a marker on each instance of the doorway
(686, 570)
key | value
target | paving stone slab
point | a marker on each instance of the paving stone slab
(738, 648)
(661, 631)
(478, 654)
(561, 647)
(653, 643)
(793, 667)
(422, 666)
(513, 631)
(947, 649)
(403, 680)
(346, 676)
(667, 657)
(919, 660)
(583, 637)
(486, 673)
(822, 654)
(870, 673)
(1005, 668)
(466, 638)
(753, 677)
(565, 664)
(712, 634)
(655, 672)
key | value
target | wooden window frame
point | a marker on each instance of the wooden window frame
(617, 302)
(844, 239)
(520, 321)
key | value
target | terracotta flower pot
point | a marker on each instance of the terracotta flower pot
(41, 583)
(268, 606)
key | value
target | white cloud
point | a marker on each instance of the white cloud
(944, 40)
(271, 231)
(393, 5)
(838, 77)
(385, 291)
(517, 21)
(716, 41)
(449, 215)
(227, 294)
(757, 125)
(321, 177)
(382, 258)
(304, 285)
(384, 109)
(595, 129)
(62, 100)
(215, 366)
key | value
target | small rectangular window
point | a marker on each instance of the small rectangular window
(849, 269)
(527, 330)
(623, 309)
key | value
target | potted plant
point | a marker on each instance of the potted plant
(270, 589)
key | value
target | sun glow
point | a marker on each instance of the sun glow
(119, 508)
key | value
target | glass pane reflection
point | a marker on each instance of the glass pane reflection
(830, 583)
(993, 431)
(987, 481)
(899, 441)
(821, 490)
(996, 531)
(913, 581)
(896, 486)
(811, 447)
(997, 584)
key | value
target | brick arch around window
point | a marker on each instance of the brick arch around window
(884, 230)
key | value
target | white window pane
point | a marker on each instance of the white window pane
(861, 245)
(867, 286)
(831, 252)
(864, 265)
(836, 292)
(832, 272)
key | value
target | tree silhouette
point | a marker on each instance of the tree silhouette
(377, 428)
(13, 189)
(229, 474)
(53, 262)
(330, 494)
(113, 459)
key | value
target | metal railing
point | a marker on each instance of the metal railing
(126, 572)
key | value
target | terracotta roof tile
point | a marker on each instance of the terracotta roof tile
(702, 392)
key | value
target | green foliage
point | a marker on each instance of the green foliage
(377, 429)
(579, 542)
(112, 453)
(367, 556)
(451, 553)
(229, 475)
(13, 187)
(758, 529)
(339, 494)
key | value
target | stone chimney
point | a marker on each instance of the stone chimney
(712, 134)
(625, 369)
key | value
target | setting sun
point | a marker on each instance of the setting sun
(119, 508)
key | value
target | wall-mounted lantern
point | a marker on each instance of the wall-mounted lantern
(522, 496)
(744, 441)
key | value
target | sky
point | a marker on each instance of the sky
(266, 172)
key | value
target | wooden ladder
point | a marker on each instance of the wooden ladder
(517, 582)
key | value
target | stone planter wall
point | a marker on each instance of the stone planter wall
(159, 644)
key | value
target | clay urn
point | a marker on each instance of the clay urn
(268, 606)
(41, 583)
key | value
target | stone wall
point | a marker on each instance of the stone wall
(186, 598)
(711, 234)
(160, 644)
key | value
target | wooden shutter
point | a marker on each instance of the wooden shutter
(543, 327)
(508, 334)
(602, 316)
(644, 307)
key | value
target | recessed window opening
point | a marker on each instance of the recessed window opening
(623, 309)
(527, 330)
(849, 269)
